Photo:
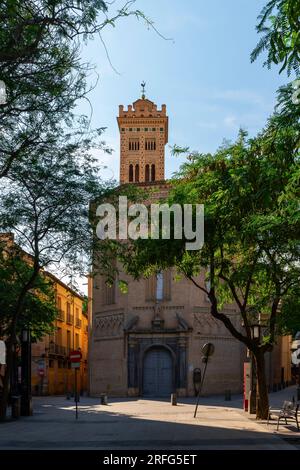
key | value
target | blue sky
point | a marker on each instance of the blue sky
(203, 74)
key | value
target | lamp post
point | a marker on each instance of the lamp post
(26, 398)
(253, 395)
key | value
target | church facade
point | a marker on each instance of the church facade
(148, 341)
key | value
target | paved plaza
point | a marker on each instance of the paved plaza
(146, 424)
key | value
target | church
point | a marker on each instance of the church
(147, 342)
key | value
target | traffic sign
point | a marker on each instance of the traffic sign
(41, 372)
(75, 356)
(75, 365)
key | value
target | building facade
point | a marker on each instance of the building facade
(51, 370)
(147, 342)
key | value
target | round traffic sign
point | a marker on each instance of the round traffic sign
(75, 356)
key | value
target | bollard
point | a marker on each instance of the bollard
(173, 399)
(227, 395)
(103, 399)
(16, 407)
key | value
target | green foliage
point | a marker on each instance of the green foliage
(39, 310)
(279, 22)
(45, 77)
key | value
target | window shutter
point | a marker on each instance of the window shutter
(150, 288)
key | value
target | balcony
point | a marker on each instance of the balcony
(61, 315)
(70, 319)
(55, 348)
(78, 323)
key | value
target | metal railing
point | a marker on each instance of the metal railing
(61, 315)
(55, 348)
(78, 323)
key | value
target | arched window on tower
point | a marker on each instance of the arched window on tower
(147, 173)
(130, 173)
(152, 172)
(137, 173)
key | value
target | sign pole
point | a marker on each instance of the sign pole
(207, 351)
(75, 357)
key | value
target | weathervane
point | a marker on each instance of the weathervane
(143, 84)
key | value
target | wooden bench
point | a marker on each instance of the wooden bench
(289, 411)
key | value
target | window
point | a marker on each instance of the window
(68, 340)
(109, 294)
(137, 173)
(51, 363)
(134, 145)
(152, 172)
(130, 173)
(59, 303)
(59, 336)
(147, 173)
(69, 316)
(77, 345)
(161, 129)
(153, 129)
(150, 144)
(109, 288)
(130, 129)
(138, 129)
(159, 286)
(146, 129)
(123, 129)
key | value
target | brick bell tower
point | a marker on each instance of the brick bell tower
(143, 136)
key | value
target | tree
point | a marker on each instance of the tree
(39, 310)
(279, 22)
(47, 209)
(40, 63)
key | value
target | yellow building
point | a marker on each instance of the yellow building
(51, 369)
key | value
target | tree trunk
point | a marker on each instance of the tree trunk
(6, 381)
(262, 395)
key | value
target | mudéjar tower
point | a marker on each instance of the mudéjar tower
(143, 136)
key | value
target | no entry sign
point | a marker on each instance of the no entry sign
(75, 356)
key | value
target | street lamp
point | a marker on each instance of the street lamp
(255, 330)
